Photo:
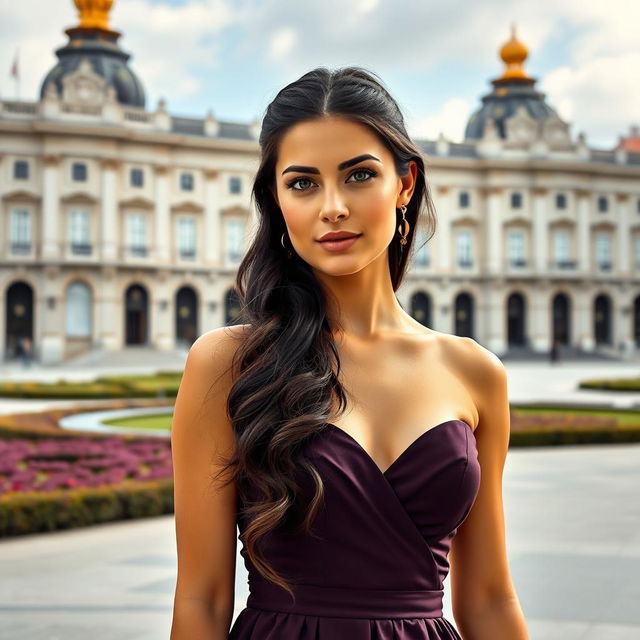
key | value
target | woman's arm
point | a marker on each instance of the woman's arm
(205, 514)
(484, 601)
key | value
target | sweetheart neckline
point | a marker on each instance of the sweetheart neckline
(406, 450)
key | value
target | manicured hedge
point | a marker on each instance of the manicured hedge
(612, 384)
(33, 512)
(165, 384)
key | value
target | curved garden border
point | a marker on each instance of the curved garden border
(93, 421)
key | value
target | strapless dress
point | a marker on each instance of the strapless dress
(376, 566)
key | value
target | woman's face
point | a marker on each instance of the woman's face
(321, 186)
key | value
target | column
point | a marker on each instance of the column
(622, 320)
(109, 310)
(164, 312)
(109, 213)
(50, 309)
(540, 231)
(540, 318)
(51, 207)
(493, 231)
(584, 241)
(444, 246)
(212, 217)
(494, 334)
(623, 232)
(161, 222)
(581, 319)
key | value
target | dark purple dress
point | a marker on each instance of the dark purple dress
(376, 571)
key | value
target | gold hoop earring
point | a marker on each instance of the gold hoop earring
(283, 245)
(404, 224)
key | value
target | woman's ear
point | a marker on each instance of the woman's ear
(409, 181)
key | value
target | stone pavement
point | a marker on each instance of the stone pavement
(572, 520)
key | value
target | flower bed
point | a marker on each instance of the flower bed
(51, 478)
(50, 464)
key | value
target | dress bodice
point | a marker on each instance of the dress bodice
(382, 538)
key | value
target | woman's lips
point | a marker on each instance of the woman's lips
(339, 245)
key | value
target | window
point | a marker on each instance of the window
(235, 239)
(136, 233)
(21, 170)
(463, 248)
(516, 200)
(515, 247)
(561, 201)
(79, 231)
(603, 204)
(187, 237)
(561, 246)
(20, 231)
(603, 250)
(79, 172)
(234, 184)
(186, 181)
(137, 178)
(463, 199)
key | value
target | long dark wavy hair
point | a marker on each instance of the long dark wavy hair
(287, 362)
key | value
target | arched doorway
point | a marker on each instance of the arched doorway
(18, 316)
(186, 316)
(231, 307)
(560, 319)
(421, 308)
(602, 320)
(136, 315)
(636, 321)
(516, 316)
(463, 315)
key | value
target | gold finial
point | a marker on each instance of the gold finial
(94, 14)
(513, 54)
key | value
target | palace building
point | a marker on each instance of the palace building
(125, 226)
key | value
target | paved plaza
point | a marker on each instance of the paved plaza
(572, 517)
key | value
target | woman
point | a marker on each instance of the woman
(359, 441)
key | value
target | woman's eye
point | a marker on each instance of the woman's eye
(296, 181)
(366, 172)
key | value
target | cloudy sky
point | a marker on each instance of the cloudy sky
(437, 57)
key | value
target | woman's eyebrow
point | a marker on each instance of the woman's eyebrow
(341, 166)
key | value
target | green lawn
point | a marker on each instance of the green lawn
(149, 421)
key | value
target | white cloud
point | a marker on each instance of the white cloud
(450, 120)
(282, 43)
(598, 96)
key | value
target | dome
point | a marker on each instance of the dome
(92, 39)
(511, 90)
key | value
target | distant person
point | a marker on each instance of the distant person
(26, 347)
(555, 351)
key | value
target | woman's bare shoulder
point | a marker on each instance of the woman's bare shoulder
(218, 346)
(481, 369)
